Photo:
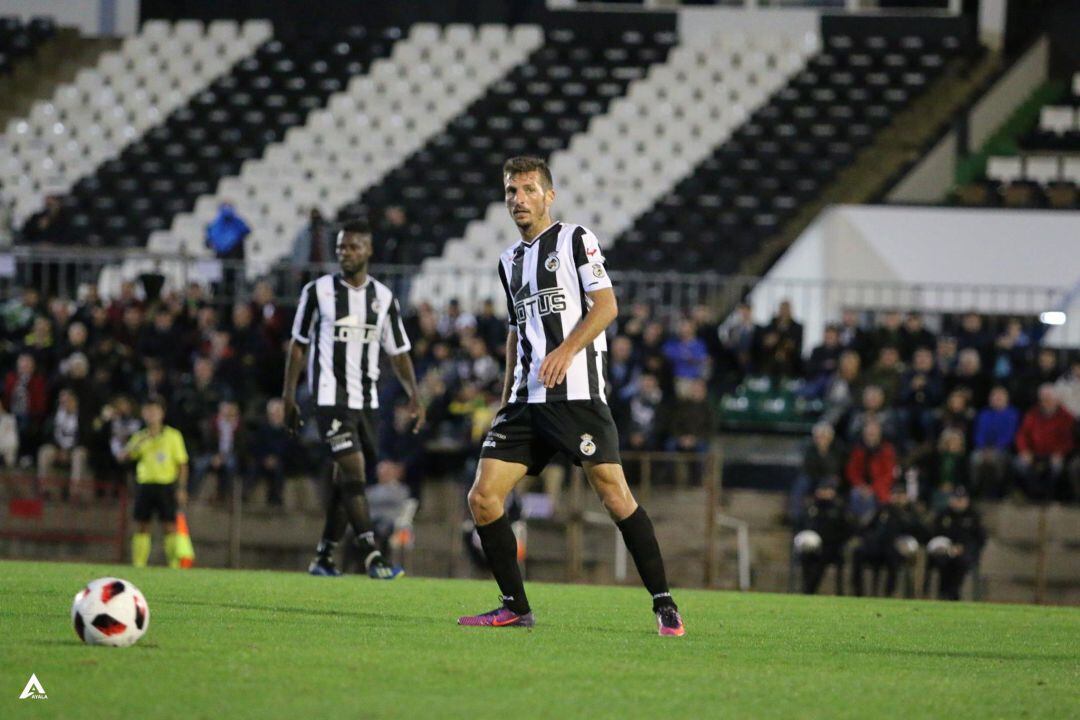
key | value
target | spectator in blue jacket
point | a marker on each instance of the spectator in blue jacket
(688, 356)
(225, 235)
(995, 428)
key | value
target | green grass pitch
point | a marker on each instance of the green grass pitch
(237, 644)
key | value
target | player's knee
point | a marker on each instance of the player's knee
(485, 505)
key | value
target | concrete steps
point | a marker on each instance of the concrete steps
(56, 62)
(285, 539)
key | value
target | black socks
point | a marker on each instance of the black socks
(640, 537)
(347, 505)
(500, 547)
(334, 527)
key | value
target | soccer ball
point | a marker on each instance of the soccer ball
(110, 611)
(807, 542)
(939, 546)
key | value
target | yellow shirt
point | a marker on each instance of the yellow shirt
(158, 458)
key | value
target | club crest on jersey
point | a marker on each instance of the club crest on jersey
(376, 306)
(552, 262)
(587, 446)
(350, 329)
(598, 270)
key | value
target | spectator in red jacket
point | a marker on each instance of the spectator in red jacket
(871, 470)
(1043, 443)
(25, 396)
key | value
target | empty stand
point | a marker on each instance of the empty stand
(785, 153)
(666, 124)
(366, 130)
(1047, 172)
(113, 104)
(209, 138)
(536, 109)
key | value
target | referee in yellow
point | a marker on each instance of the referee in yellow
(161, 473)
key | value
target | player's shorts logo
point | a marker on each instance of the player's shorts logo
(334, 427)
(552, 262)
(598, 270)
(587, 446)
(340, 442)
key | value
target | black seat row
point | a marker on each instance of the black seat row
(210, 137)
(535, 109)
(784, 154)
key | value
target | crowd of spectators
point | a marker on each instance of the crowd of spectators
(934, 409)
(986, 410)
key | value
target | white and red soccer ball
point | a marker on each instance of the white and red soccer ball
(110, 611)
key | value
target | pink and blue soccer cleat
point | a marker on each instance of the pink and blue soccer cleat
(670, 622)
(499, 617)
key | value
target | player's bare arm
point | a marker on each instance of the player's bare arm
(602, 313)
(511, 364)
(294, 363)
(406, 375)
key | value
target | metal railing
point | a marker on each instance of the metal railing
(61, 272)
(710, 463)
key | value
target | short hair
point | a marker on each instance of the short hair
(155, 400)
(526, 164)
(358, 225)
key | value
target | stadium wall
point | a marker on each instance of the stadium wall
(1029, 72)
(931, 178)
(334, 13)
(91, 17)
(699, 23)
(931, 259)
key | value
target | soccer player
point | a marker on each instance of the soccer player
(161, 474)
(560, 300)
(348, 316)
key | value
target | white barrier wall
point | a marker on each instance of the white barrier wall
(91, 17)
(932, 259)
(994, 108)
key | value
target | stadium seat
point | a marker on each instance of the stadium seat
(127, 93)
(374, 123)
(1005, 169)
(1042, 170)
(1057, 119)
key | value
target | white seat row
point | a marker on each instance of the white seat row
(112, 104)
(361, 134)
(1059, 119)
(656, 134)
(1043, 169)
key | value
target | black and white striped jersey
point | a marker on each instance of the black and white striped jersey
(547, 283)
(347, 326)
